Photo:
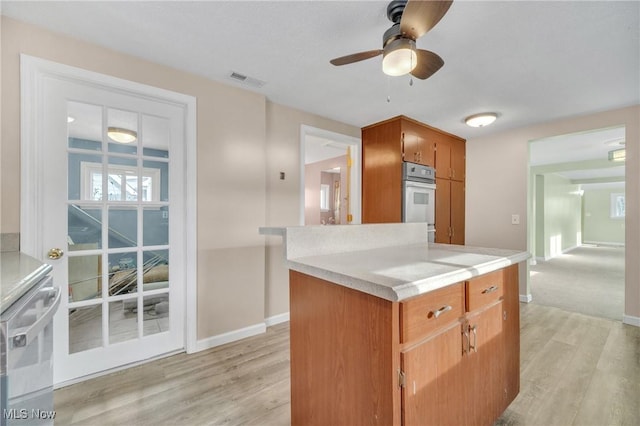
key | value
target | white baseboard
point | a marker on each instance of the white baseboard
(231, 336)
(628, 319)
(526, 298)
(243, 333)
(604, 243)
(277, 319)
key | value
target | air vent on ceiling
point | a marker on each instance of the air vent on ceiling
(245, 80)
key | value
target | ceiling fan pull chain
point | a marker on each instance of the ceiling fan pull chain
(388, 89)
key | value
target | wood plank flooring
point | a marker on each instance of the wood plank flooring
(575, 370)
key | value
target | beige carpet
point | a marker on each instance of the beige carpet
(588, 280)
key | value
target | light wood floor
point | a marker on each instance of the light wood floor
(575, 370)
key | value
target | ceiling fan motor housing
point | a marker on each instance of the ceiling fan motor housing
(395, 9)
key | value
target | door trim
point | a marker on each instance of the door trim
(33, 71)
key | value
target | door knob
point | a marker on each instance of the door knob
(55, 253)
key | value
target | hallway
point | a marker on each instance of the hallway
(587, 280)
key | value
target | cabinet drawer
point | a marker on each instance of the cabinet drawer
(424, 314)
(484, 290)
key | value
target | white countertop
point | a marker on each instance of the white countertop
(18, 274)
(386, 267)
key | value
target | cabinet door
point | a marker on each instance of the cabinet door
(382, 173)
(434, 382)
(443, 210)
(457, 212)
(418, 146)
(443, 157)
(511, 321)
(458, 159)
(484, 366)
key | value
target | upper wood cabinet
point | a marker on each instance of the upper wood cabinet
(385, 145)
(450, 157)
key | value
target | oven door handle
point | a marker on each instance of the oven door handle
(26, 337)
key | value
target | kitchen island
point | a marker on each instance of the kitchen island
(387, 329)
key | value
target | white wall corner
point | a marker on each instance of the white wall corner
(277, 319)
(526, 298)
(631, 320)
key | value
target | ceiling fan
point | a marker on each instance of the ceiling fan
(411, 20)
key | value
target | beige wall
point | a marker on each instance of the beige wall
(497, 170)
(284, 203)
(235, 128)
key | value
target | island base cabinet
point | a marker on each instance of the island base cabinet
(344, 355)
(483, 366)
(357, 359)
(433, 388)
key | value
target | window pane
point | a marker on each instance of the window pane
(123, 320)
(85, 278)
(156, 226)
(155, 136)
(84, 225)
(123, 273)
(159, 185)
(123, 227)
(85, 328)
(122, 131)
(84, 126)
(156, 270)
(81, 182)
(156, 314)
(122, 182)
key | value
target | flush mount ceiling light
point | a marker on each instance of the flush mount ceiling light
(618, 155)
(399, 57)
(481, 120)
(120, 135)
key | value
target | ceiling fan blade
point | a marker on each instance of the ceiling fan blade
(420, 16)
(428, 64)
(356, 57)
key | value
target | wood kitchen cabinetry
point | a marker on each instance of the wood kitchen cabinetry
(447, 357)
(385, 146)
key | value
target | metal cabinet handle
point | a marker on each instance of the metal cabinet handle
(441, 311)
(23, 339)
(473, 347)
(490, 289)
(466, 344)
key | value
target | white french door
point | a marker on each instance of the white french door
(112, 209)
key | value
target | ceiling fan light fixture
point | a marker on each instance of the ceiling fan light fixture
(618, 155)
(399, 57)
(121, 135)
(481, 120)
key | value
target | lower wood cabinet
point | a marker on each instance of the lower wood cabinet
(448, 357)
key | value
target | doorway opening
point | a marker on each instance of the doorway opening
(577, 230)
(330, 178)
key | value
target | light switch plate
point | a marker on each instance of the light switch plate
(515, 219)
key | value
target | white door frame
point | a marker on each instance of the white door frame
(355, 197)
(32, 73)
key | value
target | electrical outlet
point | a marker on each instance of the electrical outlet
(515, 219)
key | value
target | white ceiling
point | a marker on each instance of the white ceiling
(528, 61)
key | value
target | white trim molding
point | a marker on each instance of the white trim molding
(631, 320)
(229, 337)
(277, 319)
(526, 298)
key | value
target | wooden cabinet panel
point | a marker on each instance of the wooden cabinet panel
(443, 210)
(457, 206)
(344, 355)
(458, 159)
(418, 144)
(382, 174)
(423, 315)
(511, 320)
(484, 366)
(484, 290)
(443, 157)
(434, 380)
